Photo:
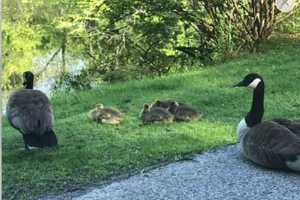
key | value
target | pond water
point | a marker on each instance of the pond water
(47, 77)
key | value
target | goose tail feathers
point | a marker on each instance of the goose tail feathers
(295, 164)
(49, 139)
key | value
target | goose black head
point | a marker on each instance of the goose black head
(251, 80)
(28, 79)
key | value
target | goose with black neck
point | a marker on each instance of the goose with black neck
(267, 143)
(30, 112)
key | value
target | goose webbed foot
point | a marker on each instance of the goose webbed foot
(26, 144)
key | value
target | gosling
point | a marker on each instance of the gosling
(155, 115)
(105, 115)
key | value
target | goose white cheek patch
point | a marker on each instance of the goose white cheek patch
(254, 83)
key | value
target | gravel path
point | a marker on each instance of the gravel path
(222, 174)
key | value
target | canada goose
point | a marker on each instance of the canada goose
(156, 114)
(105, 115)
(30, 112)
(166, 104)
(268, 143)
(181, 111)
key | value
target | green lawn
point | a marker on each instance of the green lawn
(89, 153)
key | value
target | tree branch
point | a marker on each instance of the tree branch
(49, 61)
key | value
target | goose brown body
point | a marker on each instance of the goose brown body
(166, 104)
(184, 113)
(105, 115)
(271, 145)
(181, 111)
(30, 111)
(155, 114)
(292, 125)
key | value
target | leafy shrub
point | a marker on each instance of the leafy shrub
(69, 81)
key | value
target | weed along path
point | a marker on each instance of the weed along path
(219, 174)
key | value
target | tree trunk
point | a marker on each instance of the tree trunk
(63, 52)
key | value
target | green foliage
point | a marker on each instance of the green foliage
(140, 37)
(151, 37)
(69, 81)
(129, 33)
(117, 75)
(31, 28)
(19, 46)
(292, 24)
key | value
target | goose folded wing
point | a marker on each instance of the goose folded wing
(293, 126)
(30, 112)
(271, 144)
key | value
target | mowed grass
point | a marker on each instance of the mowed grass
(90, 153)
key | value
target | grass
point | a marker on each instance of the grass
(89, 153)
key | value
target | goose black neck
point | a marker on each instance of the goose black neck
(28, 84)
(257, 109)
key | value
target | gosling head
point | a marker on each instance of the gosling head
(251, 80)
(28, 78)
(162, 104)
(145, 110)
(157, 103)
(99, 106)
(173, 107)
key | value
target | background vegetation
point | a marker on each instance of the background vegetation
(128, 39)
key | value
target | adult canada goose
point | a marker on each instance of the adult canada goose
(105, 115)
(30, 112)
(155, 114)
(269, 143)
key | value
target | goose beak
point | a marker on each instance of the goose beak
(240, 84)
